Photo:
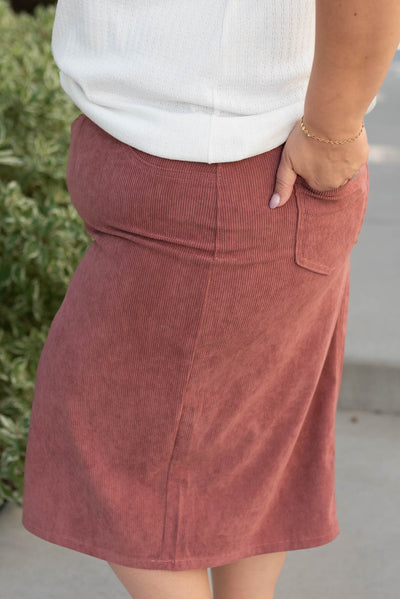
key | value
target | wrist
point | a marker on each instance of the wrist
(327, 117)
(328, 139)
(332, 126)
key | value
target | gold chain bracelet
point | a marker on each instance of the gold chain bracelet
(329, 141)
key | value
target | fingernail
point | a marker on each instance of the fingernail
(274, 201)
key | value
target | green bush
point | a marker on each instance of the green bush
(42, 238)
(28, 5)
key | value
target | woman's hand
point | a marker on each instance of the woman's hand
(324, 166)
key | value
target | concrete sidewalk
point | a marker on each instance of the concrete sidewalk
(371, 376)
(361, 563)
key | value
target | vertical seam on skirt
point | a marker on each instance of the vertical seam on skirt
(185, 386)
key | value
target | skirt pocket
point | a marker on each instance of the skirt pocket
(329, 222)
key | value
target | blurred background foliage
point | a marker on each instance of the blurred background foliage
(28, 5)
(42, 238)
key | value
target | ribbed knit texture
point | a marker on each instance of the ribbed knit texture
(185, 397)
(210, 81)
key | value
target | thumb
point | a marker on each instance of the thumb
(284, 182)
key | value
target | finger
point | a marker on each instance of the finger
(284, 182)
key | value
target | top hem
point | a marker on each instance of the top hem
(182, 136)
(186, 136)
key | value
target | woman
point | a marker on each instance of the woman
(185, 398)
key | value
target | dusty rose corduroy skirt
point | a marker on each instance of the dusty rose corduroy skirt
(185, 398)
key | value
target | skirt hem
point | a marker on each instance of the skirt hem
(184, 563)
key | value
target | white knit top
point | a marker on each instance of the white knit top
(202, 80)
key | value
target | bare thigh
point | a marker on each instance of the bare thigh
(163, 584)
(253, 577)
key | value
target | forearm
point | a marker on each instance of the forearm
(355, 41)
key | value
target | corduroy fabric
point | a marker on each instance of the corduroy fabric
(185, 398)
